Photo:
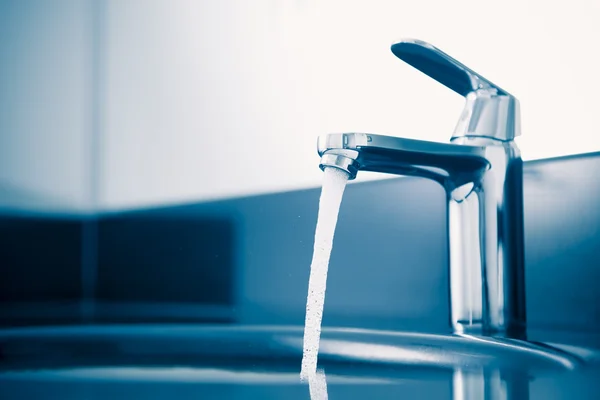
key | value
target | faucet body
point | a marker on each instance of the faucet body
(481, 171)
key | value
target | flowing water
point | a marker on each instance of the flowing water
(334, 183)
(317, 386)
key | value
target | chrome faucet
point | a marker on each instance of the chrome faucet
(481, 171)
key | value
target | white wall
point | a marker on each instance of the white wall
(206, 99)
(212, 99)
(45, 93)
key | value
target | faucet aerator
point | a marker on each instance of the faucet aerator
(340, 161)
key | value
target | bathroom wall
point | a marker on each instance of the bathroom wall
(247, 259)
(46, 106)
(208, 100)
(388, 263)
(133, 103)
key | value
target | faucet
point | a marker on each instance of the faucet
(481, 171)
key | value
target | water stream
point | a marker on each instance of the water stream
(317, 386)
(334, 183)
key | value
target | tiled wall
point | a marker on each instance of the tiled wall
(248, 259)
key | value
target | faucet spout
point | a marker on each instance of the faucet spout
(450, 164)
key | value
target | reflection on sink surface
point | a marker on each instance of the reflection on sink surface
(176, 361)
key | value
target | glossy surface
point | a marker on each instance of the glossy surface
(482, 174)
(154, 361)
(489, 110)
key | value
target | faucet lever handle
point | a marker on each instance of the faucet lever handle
(489, 112)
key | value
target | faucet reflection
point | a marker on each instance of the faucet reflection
(488, 385)
(481, 171)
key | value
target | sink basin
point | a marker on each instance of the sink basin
(197, 361)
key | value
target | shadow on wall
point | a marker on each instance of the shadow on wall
(151, 266)
(247, 259)
(168, 262)
(39, 259)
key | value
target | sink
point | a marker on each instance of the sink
(231, 361)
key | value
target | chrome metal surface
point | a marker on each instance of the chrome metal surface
(489, 110)
(481, 170)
